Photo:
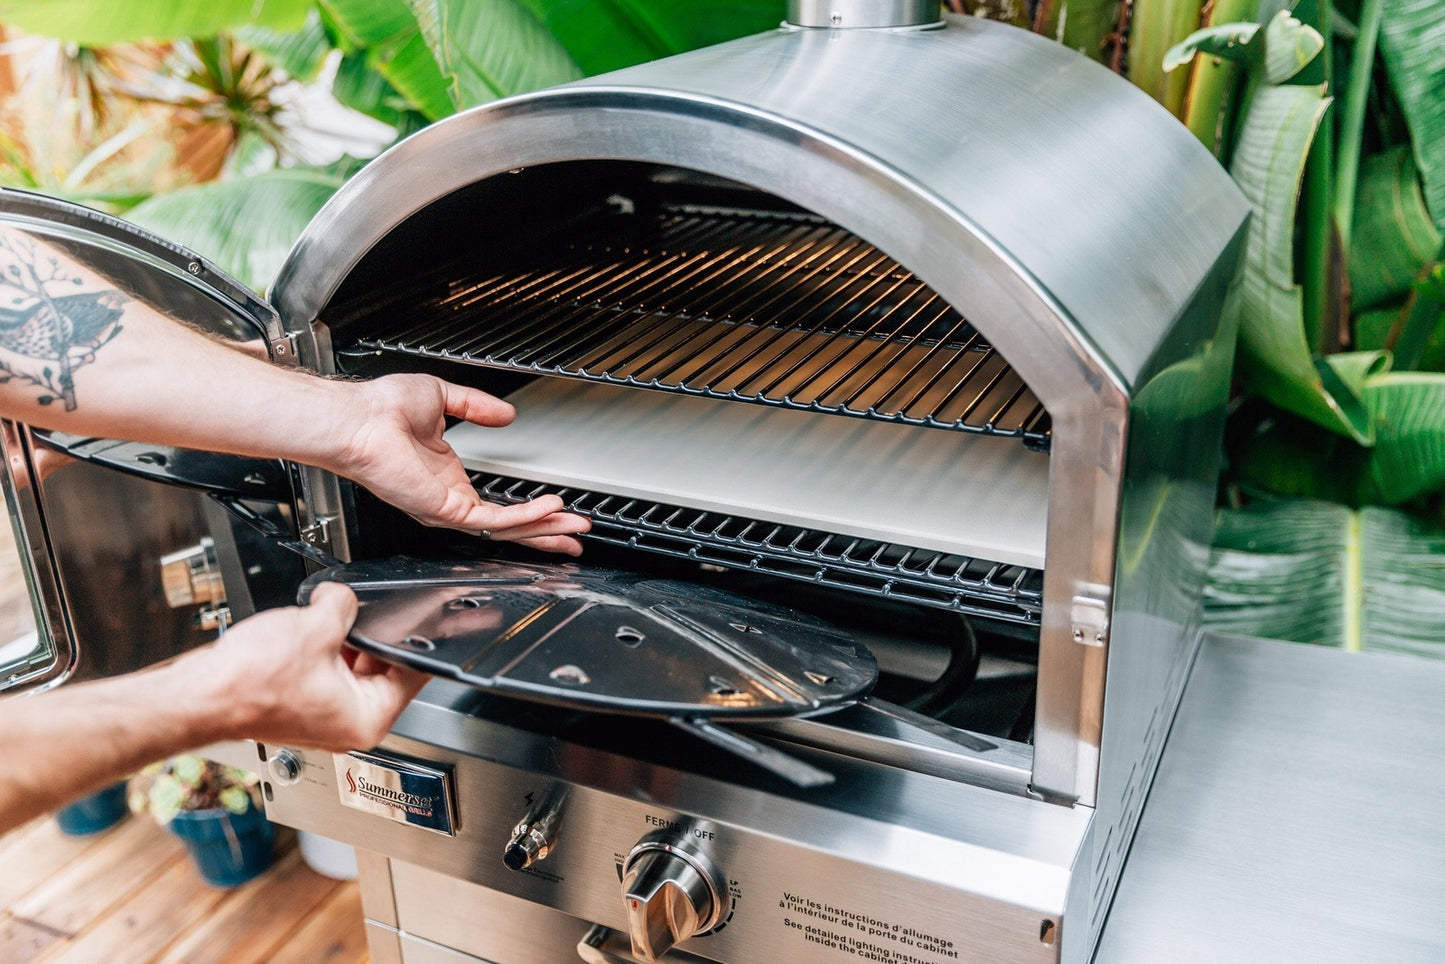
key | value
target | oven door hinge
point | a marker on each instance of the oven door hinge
(283, 351)
(318, 533)
(1090, 616)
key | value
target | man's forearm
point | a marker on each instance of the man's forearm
(80, 355)
(62, 745)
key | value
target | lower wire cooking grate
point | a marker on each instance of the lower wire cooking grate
(938, 579)
(758, 306)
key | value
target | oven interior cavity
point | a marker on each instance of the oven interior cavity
(735, 391)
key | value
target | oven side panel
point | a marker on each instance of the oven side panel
(1166, 527)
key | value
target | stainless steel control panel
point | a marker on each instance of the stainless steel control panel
(922, 869)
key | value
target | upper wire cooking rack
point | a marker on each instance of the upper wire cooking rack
(767, 307)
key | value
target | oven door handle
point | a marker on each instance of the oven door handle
(227, 479)
(239, 476)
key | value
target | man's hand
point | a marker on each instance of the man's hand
(289, 677)
(390, 440)
(283, 676)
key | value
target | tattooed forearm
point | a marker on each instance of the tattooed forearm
(50, 322)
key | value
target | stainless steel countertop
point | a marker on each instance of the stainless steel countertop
(1298, 814)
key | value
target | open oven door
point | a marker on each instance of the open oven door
(107, 567)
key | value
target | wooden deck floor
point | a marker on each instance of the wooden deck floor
(132, 895)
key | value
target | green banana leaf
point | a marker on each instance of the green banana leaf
(1156, 26)
(1086, 26)
(1314, 572)
(368, 23)
(383, 35)
(1288, 457)
(1232, 41)
(619, 33)
(1275, 357)
(1393, 233)
(246, 225)
(298, 52)
(1420, 344)
(1408, 458)
(363, 88)
(1412, 41)
(1375, 328)
(1414, 331)
(95, 23)
(1280, 50)
(1406, 462)
(488, 49)
(1214, 83)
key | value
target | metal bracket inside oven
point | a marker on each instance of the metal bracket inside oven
(1089, 615)
(284, 351)
(318, 533)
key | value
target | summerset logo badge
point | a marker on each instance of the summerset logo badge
(414, 803)
(405, 791)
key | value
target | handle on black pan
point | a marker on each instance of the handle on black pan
(790, 768)
(927, 724)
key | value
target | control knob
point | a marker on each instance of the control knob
(285, 767)
(671, 892)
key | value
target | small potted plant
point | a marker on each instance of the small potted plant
(214, 809)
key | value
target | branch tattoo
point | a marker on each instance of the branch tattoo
(47, 328)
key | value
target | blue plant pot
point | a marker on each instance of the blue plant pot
(228, 849)
(99, 811)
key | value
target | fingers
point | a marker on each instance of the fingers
(332, 609)
(557, 524)
(388, 693)
(496, 518)
(566, 545)
(476, 406)
(365, 664)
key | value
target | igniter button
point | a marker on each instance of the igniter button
(528, 845)
(285, 767)
(536, 836)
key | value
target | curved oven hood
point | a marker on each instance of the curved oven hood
(1006, 171)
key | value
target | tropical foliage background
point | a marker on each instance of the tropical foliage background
(226, 125)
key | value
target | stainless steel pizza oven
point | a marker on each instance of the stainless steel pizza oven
(921, 327)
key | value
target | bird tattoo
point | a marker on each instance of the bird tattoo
(48, 329)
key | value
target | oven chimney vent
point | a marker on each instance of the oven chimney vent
(864, 13)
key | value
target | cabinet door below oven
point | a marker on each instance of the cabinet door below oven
(82, 588)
